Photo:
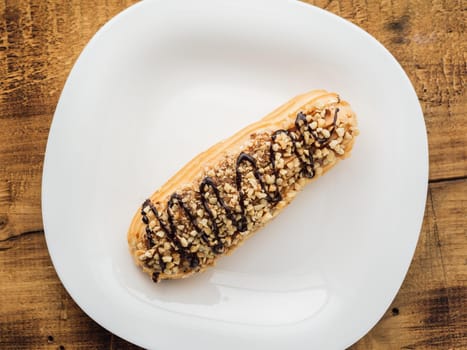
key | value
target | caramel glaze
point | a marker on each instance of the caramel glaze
(170, 228)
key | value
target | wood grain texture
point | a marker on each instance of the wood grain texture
(40, 41)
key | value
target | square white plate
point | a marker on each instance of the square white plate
(163, 81)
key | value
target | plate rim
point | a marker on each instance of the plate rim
(108, 26)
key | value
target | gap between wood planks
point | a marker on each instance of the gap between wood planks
(22, 234)
(16, 237)
(447, 179)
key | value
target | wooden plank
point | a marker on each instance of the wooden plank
(36, 311)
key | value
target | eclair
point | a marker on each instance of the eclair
(228, 192)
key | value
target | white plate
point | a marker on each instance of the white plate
(166, 79)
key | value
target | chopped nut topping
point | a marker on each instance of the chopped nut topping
(212, 225)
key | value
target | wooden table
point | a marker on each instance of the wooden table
(40, 41)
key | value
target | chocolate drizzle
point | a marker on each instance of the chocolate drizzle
(307, 163)
(243, 157)
(238, 219)
(203, 189)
